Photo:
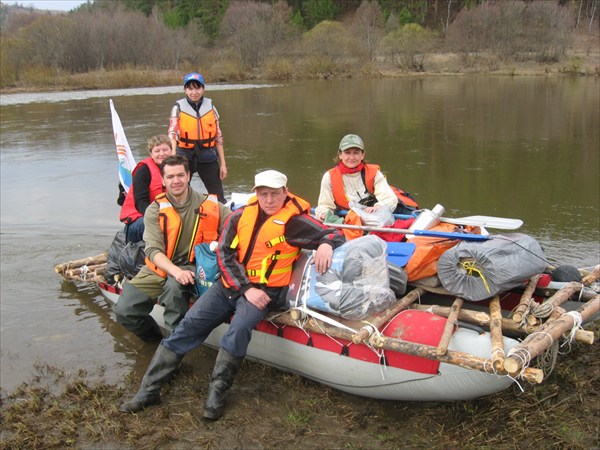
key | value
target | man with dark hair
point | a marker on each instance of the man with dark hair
(174, 223)
(256, 252)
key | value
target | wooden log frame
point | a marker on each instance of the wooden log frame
(442, 347)
(496, 334)
(89, 278)
(546, 335)
(460, 359)
(383, 317)
(592, 277)
(83, 270)
(483, 319)
(561, 296)
(91, 260)
(525, 304)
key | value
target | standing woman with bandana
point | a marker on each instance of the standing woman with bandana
(195, 134)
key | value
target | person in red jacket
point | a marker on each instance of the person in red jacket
(146, 185)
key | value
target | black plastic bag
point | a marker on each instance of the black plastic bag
(124, 258)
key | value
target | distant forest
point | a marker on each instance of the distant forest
(231, 39)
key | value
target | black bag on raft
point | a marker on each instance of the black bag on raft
(479, 270)
(124, 258)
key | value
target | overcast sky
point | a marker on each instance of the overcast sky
(56, 5)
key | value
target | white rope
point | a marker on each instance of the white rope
(84, 272)
(542, 311)
(516, 381)
(498, 351)
(329, 336)
(492, 370)
(369, 328)
(544, 333)
(523, 355)
(581, 292)
(577, 321)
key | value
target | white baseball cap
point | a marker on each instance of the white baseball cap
(270, 178)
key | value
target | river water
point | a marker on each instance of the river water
(523, 147)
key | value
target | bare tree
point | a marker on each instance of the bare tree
(253, 29)
(512, 29)
(368, 23)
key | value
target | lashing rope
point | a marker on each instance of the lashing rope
(577, 321)
(472, 269)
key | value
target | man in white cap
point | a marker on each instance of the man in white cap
(256, 252)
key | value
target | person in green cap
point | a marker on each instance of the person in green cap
(353, 180)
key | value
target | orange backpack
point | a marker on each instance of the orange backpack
(423, 262)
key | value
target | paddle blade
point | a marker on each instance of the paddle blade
(500, 223)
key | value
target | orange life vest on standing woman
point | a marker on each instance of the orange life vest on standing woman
(197, 127)
(206, 227)
(268, 258)
(129, 212)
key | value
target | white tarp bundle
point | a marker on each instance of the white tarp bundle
(357, 284)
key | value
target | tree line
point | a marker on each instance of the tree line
(231, 39)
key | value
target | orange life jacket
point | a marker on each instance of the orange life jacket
(197, 128)
(206, 227)
(129, 212)
(368, 176)
(268, 258)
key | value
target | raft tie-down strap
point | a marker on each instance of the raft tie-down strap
(324, 318)
(335, 323)
(472, 269)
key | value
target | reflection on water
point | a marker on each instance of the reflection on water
(510, 147)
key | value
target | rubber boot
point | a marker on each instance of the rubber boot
(162, 366)
(226, 367)
(150, 331)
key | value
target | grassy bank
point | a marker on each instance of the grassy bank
(271, 409)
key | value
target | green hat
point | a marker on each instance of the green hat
(351, 141)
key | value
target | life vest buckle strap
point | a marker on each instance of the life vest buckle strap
(275, 241)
